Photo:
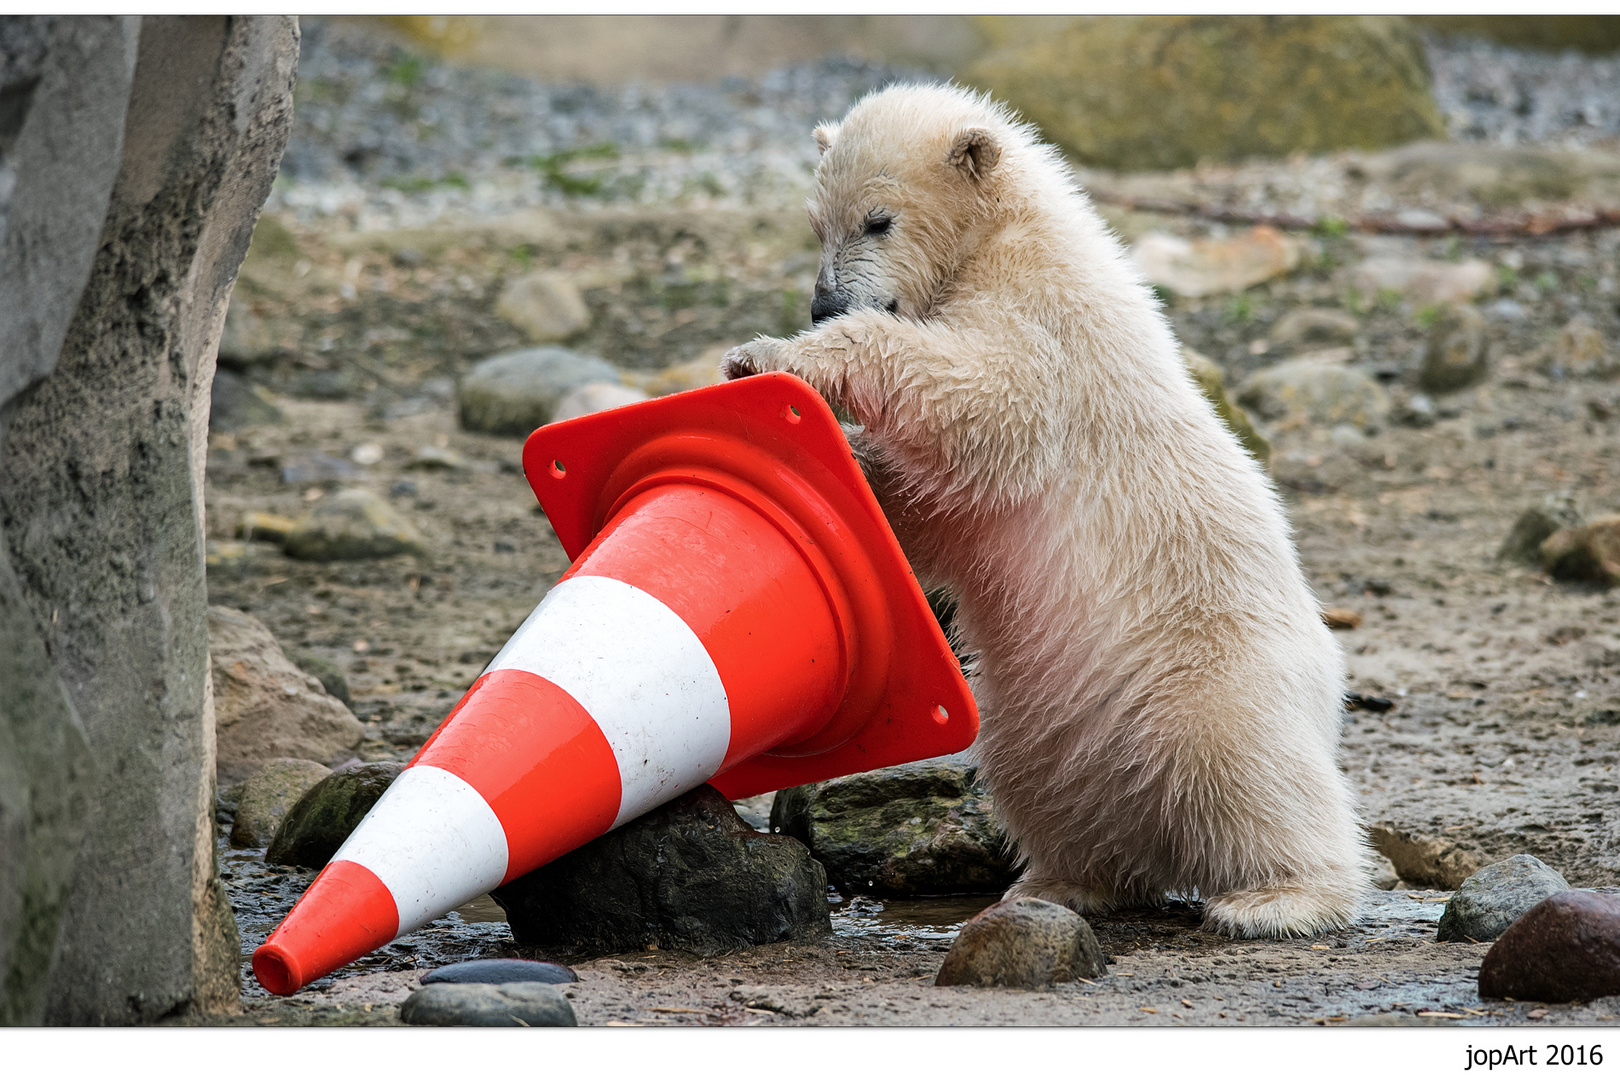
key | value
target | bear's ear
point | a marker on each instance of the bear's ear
(975, 152)
(825, 134)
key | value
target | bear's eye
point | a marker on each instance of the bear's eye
(878, 224)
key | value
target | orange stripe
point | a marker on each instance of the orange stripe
(345, 913)
(537, 758)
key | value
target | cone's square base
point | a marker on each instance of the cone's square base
(772, 442)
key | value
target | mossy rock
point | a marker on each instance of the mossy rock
(1165, 92)
(1588, 33)
(1213, 384)
(925, 828)
(327, 813)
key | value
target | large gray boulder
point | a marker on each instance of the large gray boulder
(516, 392)
(136, 155)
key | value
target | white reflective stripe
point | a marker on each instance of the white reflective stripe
(433, 841)
(641, 673)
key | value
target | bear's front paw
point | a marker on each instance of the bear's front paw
(750, 359)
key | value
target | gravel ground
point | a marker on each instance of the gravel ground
(1492, 93)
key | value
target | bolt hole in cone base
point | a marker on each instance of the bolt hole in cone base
(738, 612)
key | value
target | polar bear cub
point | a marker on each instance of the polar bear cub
(1161, 699)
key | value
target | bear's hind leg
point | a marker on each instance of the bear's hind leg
(1081, 899)
(1295, 907)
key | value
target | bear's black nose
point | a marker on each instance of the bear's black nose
(824, 306)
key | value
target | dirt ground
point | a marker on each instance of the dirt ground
(1499, 741)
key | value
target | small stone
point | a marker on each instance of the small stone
(595, 397)
(1456, 356)
(545, 305)
(256, 525)
(1205, 267)
(1566, 948)
(402, 489)
(1213, 384)
(1338, 618)
(366, 454)
(318, 469)
(1423, 281)
(1558, 510)
(268, 794)
(265, 707)
(1384, 874)
(235, 403)
(327, 813)
(353, 524)
(437, 458)
(516, 392)
(689, 874)
(473, 1005)
(1426, 861)
(1311, 392)
(1489, 901)
(330, 675)
(501, 971)
(1587, 553)
(1023, 943)
(1580, 350)
(1314, 326)
(922, 828)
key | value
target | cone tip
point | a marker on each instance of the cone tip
(276, 969)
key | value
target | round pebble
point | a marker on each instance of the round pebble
(501, 972)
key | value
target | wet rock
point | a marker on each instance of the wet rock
(235, 403)
(1489, 901)
(514, 393)
(1023, 943)
(1558, 510)
(318, 468)
(353, 524)
(1587, 553)
(501, 971)
(1309, 392)
(1423, 281)
(1580, 350)
(1428, 861)
(331, 676)
(690, 874)
(265, 707)
(268, 794)
(1314, 326)
(1455, 357)
(1205, 267)
(327, 813)
(473, 1005)
(256, 525)
(1167, 92)
(595, 397)
(1213, 384)
(545, 305)
(922, 828)
(1566, 948)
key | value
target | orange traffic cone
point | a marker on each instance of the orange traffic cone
(738, 611)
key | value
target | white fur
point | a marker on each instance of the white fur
(1161, 699)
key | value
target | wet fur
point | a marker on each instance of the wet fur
(1161, 700)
